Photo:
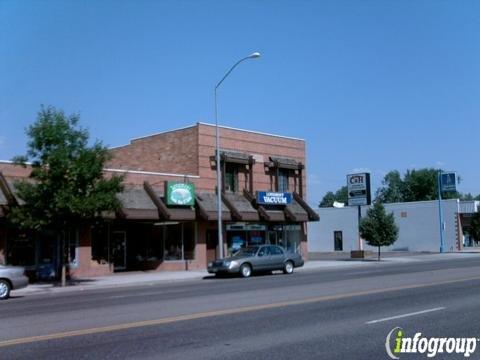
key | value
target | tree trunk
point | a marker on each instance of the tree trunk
(379, 253)
(64, 270)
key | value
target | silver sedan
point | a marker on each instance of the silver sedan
(261, 258)
(11, 278)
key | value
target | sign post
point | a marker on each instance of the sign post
(358, 188)
(446, 181)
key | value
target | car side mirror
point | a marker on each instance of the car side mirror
(261, 254)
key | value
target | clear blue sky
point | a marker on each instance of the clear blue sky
(370, 85)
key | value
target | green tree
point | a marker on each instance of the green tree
(341, 195)
(378, 228)
(416, 185)
(66, 187)
(392, 189)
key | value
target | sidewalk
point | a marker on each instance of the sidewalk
(153, 277)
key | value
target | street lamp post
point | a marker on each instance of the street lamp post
(217, 150)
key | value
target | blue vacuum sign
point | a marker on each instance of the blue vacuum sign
(273, 198)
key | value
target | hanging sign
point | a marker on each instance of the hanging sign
(182, 194)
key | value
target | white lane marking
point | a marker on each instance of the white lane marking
(405, 315)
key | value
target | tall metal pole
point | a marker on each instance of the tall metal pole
(219, 183)
(217, 149)
(440, 210)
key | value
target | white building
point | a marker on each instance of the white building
(418, 222)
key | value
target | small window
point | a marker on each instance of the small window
(338, 240)
(264, 251)
(283, 180)
(231, 177)
(276, 250)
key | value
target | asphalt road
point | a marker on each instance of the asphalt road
(334, 314)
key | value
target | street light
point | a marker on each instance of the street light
(217, 149)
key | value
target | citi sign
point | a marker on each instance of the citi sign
(357, 179)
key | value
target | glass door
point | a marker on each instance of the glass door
(338, 240)
(119, 250)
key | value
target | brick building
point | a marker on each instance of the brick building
(168, 219)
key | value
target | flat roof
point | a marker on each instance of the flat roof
(213, 125)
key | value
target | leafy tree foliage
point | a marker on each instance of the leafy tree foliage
(393, 188)
(416, 185)
(469, 196)
(66, 184)
(378, 228)
(341, 195)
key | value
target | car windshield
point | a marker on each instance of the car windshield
(249, 251)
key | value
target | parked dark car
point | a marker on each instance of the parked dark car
(11, 278)
(261, 258)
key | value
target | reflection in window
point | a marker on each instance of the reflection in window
(231, 177)
(282, 180)
(179, 241)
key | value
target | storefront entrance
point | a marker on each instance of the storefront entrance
(119, 250)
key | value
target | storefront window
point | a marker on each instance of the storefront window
(256, 237)
(100, 243)
(287, 236)
(173, 242)
(282, 180)
(189, 241)
(231, 177)
(241, 235)
(154, 248)
(236, 240)
(293, 238)
(21, 250)
(180, 241)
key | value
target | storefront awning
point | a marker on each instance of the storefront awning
(9, 191)
(207, 207)
(285, 163)
(271, 215)
(176, 213)
(137, 205)
(295, 212)
(240, 208)
(312, 214)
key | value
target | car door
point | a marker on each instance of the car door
(263, 259)
(277, 257)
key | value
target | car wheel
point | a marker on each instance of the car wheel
(4, 289)
(288, 267)
(245, 270)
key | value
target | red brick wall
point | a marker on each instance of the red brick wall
(171, 152)
(14, 171)
(260, 145)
